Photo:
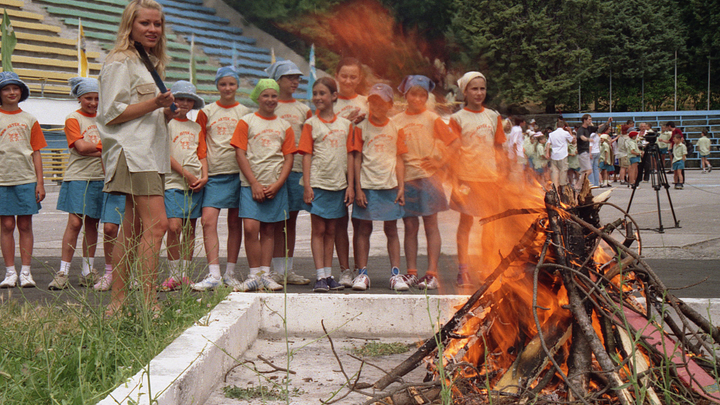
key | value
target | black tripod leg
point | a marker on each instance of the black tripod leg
(672, 209)
(631, 200)
(657, 197)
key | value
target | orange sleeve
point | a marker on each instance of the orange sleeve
(202, 142)
(443, 132)
(99, 145)
(456, 128)
(401, 145)
(499, 133)
(308, 115)
(357, 140)
(288, 146)
(37, 139)
(240, 136)
(350, 139)
(305, 146)
(72, 131)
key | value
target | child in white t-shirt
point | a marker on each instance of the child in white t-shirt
(326, 144)
(287, 75)
(184, 185)
(379, 184)
(264, 146)
(21, 178)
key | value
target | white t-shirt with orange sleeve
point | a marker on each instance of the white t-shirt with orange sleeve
(296, 113)
(344, 107)
(329, 142)
(426, 135)
(380, 146)
(217, 123)
(184, 140)
(79, 125)
(20, 136)
(480, 133)
(266, 141)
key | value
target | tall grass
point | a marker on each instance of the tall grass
(70, 353)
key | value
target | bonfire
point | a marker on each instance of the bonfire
(570, 314)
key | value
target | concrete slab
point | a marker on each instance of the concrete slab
(191, 367)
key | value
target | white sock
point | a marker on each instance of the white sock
(87, 265)
(9, 271)
(173, 268)
(278, 264)
(254, 271)
(185, 267)
(108, 269)
(265, 270)
(64, 268)
(25, 270)
(328, 272)
(289, 267)
(215, 271)
(320, 273)
(230, 269)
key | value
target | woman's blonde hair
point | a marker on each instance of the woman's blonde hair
(125, 43)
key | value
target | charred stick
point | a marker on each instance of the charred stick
(431, 344)
(509, 213)
(582, 317)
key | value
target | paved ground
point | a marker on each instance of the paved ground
(682, 256)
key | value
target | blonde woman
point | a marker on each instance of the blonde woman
(132, 125)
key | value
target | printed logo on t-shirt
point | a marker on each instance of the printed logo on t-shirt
(91, 134)
(381, 143)
(269, 137)
(14, 131)
(223, 126)
(184, 139)
(292, 119)
(412, 129)
(334, 138)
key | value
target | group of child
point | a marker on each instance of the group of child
(264, 167)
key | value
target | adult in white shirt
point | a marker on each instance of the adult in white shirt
(595, 154)
(558, 151)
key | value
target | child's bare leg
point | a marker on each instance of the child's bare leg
(285, 236)
(122, 252)
(69, 241)
(363, 229)
(252, 242)
(209, 222)
(24, 226)
(91, 236)
(463, 238)
(267, 242)
(342, 242)
(317, 240)
(234, 235)
(110, 234)
(434, 242)
(328, 242)
(412, 225)
(7, 239)
(173, 238)
(393, 242)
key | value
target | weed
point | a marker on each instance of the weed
(274, 393)
(373, 349)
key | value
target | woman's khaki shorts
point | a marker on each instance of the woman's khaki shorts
(137, 183)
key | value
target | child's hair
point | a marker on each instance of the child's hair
(124, 42)
(705, 132)
(670, 124)
(327, 82)
(518, 119)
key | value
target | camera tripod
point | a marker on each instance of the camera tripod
(658, 178)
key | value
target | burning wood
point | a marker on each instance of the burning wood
(558, 320)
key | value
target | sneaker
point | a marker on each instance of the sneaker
(709, 169)
(231, 282)
(334, 285)
(60, 282)
(681, 186)
(321, 285)
(252, 283)
(428, 283)
(209, 283)
(170, 284)
(411, 280)
(270, 284)
(90, 279)
(346, 278)
(26, 280)
(10, 281)
(397, 283)
(292, 278)
(677, 186)
(463, 280)
(104, 283)
(361, 282)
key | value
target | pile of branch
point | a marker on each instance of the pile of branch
(657, 352)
